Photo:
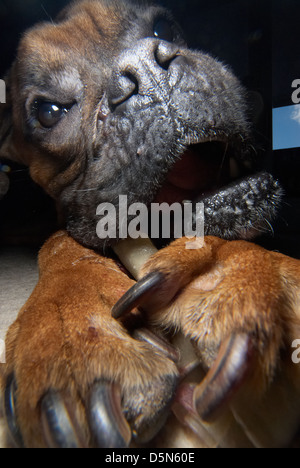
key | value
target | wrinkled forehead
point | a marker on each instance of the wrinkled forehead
(91, 30)
(79, 35)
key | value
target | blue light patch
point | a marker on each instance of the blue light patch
(286, 127)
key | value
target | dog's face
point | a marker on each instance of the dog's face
(111, 102)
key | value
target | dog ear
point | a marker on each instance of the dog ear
(7, 147)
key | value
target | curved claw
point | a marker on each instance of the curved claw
(225, 377)
(138, 294)
(107, 422)
(10, 411)
(58, 426)
(143, 334)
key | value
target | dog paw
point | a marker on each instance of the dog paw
(76, 377)
(239, 306)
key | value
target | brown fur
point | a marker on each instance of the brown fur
(65, 338)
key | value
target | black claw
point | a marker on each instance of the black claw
(10, 411)
(138, 295)
(59, 429)
(229, 371)
(107, 422)
(142, 334)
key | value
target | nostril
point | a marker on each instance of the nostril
(164, 64)
(164, 54)
(131, 77)
(122, 87)
(142, 72)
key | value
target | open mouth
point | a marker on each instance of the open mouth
(202, 168)
(238, 204)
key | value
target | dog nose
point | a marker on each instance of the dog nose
(142, 71)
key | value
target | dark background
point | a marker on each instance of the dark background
(257, 38)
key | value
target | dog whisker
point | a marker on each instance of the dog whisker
(86, 190)
(222, 163)
(271, 229)
(47, 14)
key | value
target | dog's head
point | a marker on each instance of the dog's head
(108, 101)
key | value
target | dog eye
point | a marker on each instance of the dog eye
(48, 114)
(163, 29)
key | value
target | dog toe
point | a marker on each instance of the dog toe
(59, 427)
(106, 419)
(108, 426)
(225, 377)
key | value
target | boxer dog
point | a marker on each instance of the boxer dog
(108, 100)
